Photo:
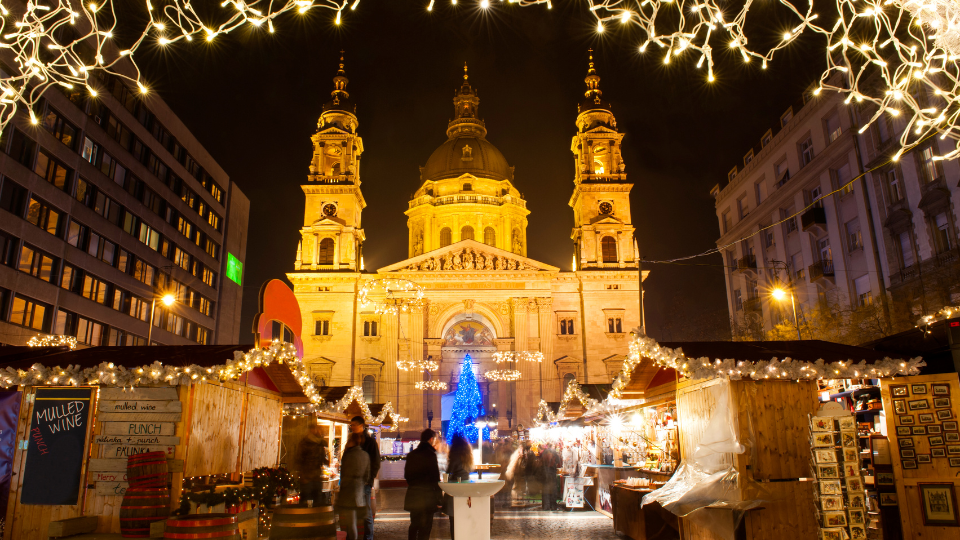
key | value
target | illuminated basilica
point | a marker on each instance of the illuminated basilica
(467, 247)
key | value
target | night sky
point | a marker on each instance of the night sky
(253, 100)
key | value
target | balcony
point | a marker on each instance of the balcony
(814, 220)
(821, 270)
(751, 305)
(747, 265)
(947, 257)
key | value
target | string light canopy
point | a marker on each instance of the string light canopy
(391, 295)
(508, 375)
(430, 385)
(517, 356)
(52, 341)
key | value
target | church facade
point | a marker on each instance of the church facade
(467, 248)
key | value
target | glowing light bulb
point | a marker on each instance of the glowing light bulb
(600, 26)
(338, 17)
(778, 294)
(625, 17)
(484, 4)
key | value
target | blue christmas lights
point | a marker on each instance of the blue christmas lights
(467, 406)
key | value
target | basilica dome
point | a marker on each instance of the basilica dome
(466, 154)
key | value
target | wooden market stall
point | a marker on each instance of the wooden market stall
(219, 427)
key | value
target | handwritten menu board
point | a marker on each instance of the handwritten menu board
(55, 446)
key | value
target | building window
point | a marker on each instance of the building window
(798, 269)
(790, 224)
(322, 328)
(769, 238)
(786, 117)
(53, 171)
(832, 125)
(823, 246)
(466, 233)
(445, 237)
(929, 169)
(325, 251)
(13, 197)
(44, 216)
(767, 137)
(905, 244)
(95, 289)
(490, 236)
(862, 287)
(748, 158)
(894, 186)
(941, 234)
(743, 207)
(760, 191)
(884, 130)
(608, 249)
(28, 312)
(842, 174)
(737, 300)
(567, 379)
(806, 152)
(854, 236)
(816, 197)
(615, 325)
(62, 130)
(369, 388)
(370, 328)
(22, 148)
(566, 326)
(781, 172)
(731, 174)
(36, 263)
(725, 220)
(467, 187)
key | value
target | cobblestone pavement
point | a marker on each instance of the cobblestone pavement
(392, 523)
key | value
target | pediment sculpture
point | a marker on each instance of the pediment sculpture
(468, 259)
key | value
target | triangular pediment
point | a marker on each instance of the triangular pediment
(470, 256)
(333, 129)
(329, 221)
(602, 129)
(606, 219)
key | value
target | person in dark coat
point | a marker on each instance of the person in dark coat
(370, 446)
(459, 467)
(551, 462)
(311, 458)
(354, 474)
(423, 486)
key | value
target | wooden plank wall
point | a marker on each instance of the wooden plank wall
(214, 436)
(261, 433)
(939, 470)
(778, 417)
(694, 409)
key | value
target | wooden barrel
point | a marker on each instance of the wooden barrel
(147, 470)
(140, 508)
(292, 521)
(219, 526)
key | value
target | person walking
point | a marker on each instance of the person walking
(354, 473)
(311, 458)
(369, 445)
(459, 467)
(423, 496)
(550, 461)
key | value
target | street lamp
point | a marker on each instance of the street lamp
(779, 294)
(168, 300)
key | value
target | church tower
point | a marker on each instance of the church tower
(603, 231)
(331, 237)
(467, 190)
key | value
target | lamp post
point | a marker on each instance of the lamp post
(779, 294)
(168, 300)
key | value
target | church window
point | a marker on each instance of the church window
(369, 328)
(490, 236)
(608, 246)
(566, 326)
(325, 253)
(445, 237)
(322, 328)
(369, 388)
(615, 325)
(466, 233)
(597, 166)
(567, 379)
(467, 187)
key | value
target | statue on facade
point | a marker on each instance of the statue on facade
(488, 264)
(418, 244)
(456, 263)
(468, 260)
(499, 263)
(517, 244)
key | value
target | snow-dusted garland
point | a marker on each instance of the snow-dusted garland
(52, 341)
(775, 368)
(945, 313)
(573, 391)
(355, 393)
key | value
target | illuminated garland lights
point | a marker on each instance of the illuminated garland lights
(430, 385)
(573, 391)
(391, 295)
(942, 315)
(426, 365)
(52, 341)
(507, 375)
(892, 44)
(517, 356)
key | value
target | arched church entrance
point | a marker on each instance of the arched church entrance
(468, 334)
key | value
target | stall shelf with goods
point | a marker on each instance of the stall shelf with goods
(218, 420)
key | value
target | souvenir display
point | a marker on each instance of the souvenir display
(918, 389)
(840, 484)
(899, 390)
(941, 389)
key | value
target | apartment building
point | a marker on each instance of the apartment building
(107, 203)
(821, 210)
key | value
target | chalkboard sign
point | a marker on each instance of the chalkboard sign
(55, 446)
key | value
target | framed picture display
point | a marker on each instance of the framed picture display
(830, 487)
(926, 418)
(856, 517)
(833, 533)
(919, 430)
(820, 423)
(924, 458)
(904, 431)
(908, 453)
(835, 519)
(944, 414)
(850, 455)
(825, 456)
(854, 485)
(906, 420)
(934, 430)
(954, 462)
(888, 499)
(851, 468)
(918, 404)
(880, 449)
(847, 423)
(949, 426)
(831, 503)
(828, 471)
(941, 389)
(858, 532)
(848, 439)
(939, 504)
(938, 452)
(885, 479)
(918, 389)
(857, 501)
(821, 440)
(905, 442)
(941, 402)
(951, 437)
(953, 450)
(936, 440)
(900, 406)
(899, 390)
(909, 464)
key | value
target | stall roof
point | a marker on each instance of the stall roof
(809, 350)
(931, 342)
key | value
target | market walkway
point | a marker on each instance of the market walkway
(392, 523)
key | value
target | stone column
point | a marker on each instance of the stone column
(528, 387)
(316, 251)
(388, 386)
(551, 386)
(413, 401)
(505, 391)
(432, 398)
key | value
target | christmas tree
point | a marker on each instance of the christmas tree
(467, 406)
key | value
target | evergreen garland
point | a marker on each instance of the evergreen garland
(268, 483)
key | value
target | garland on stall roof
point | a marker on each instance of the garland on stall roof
(573, 391)
(786, 369)
(942, 315)
(354, 394)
